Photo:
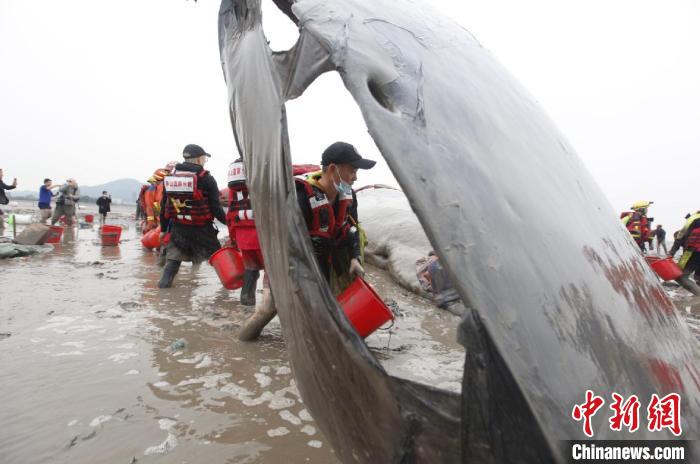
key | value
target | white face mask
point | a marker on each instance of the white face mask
(342, 187)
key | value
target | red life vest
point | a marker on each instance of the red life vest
(187, 203)
(240, 212)
(638, 226)
(693, 240)
(325, 223)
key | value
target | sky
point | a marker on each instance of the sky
(101, 90)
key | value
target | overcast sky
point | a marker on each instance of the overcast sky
(103, 90)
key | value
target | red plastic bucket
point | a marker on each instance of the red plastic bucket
(666, 268)
(363, 307)
(151, 239)
(54, 235)
(110, 235)
(89, 218)
(229, 267)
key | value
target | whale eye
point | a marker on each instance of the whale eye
(380, 97)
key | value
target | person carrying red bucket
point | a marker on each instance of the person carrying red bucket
(241, 226)
(329, 207)
(190, 204)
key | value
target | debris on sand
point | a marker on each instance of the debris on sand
(12, 250)
(129, 304)
(177, 345)
(72, 442)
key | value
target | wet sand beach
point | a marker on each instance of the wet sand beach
(99, 365)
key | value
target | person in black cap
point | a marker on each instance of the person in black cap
(190, 204)
(329, 207)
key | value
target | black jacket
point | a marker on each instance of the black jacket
(3, 187)
(207, 183)
(104, 204)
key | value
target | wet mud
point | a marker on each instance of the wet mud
(99, 365)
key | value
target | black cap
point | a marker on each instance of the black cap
(344, 153)
(194, 151)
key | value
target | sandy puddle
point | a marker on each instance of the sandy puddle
(99, 365)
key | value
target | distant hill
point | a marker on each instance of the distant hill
(122, 189)
(126, 190)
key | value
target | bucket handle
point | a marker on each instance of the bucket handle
(385, 329)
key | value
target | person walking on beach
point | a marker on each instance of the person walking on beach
(103, 204)
(3, 198)
(190, 203)
(45, 196)
(660, 235)
(68, 197)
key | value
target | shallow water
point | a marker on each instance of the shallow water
(91, 372)
(99, 365)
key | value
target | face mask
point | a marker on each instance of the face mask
(342, 187)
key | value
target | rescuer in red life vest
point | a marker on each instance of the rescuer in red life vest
(637, 223)
(689, 238)
(329, 206)
(242, 231)
(190, 203)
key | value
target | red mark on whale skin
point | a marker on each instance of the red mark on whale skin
(628, 278)
(668, 376)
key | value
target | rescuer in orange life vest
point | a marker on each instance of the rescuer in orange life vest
(153, 196)
(689, 238)
(242, 231)
(637, 223)
(190, 203)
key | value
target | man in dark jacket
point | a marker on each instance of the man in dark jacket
(3, 198)
(104, 206)
(660, 235)
(190, 203)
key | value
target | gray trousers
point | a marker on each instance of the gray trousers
(63, 210)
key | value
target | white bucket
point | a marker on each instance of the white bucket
(20, 219)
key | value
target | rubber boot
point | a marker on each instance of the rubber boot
(685, 282)
(250, 284)
(263, 314)
(169, 273)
